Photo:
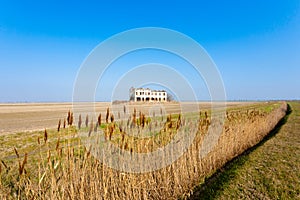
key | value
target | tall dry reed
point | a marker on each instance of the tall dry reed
(71, 172)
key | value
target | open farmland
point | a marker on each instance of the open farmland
(21, 117)
(55, 164)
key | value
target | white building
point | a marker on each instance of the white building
(146, 94)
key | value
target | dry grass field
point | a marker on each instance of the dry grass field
(54, 164)
(269, 170)
(21, 117)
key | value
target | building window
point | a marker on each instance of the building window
(149, 95)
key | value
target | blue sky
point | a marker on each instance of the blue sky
(255, 44)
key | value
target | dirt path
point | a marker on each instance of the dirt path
(269, 170)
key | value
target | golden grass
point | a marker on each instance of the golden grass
(269, 170)
(64, 169)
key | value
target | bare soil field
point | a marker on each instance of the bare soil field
(20, 117)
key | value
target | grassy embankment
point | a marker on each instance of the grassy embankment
(269, 170)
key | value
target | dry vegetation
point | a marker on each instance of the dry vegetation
(58, 166)
(269, 170)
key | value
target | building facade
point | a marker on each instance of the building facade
(147, 95)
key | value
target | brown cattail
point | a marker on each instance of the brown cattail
(71, 119)
(123, 137)
(22, 166)
(86, 120)
(58, 126)
(45, 136)
(107, 115)
(134, 117)
(64, 123)
(39, 142)
(16, 151)
(111, 130)
(4, 164)
(91, 128)
(169, 117)
(68, 117)
(112, 118)
(124, 109)
(99, 119)
(49, 155)
(142, 120)
(170, 125)
(57, 144)
(79, 121)
(88, 153)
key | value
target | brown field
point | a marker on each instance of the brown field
(37, 116)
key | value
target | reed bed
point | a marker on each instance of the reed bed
(65, 169)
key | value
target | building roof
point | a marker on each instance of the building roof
(150, 89)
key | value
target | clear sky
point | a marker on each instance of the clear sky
(255, 44)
